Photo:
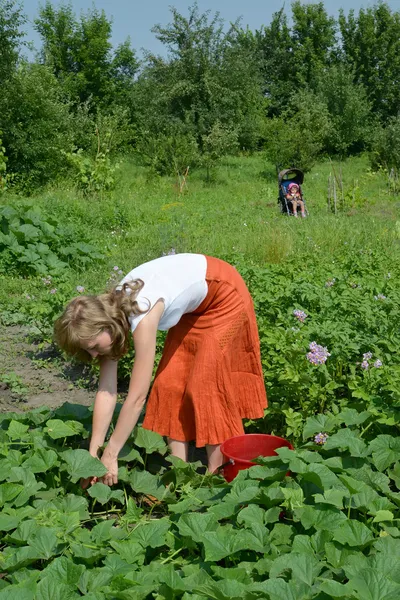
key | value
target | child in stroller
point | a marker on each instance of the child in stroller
(291, 199)
(294, 196)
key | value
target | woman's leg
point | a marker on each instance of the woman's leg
(215, 457)
(179, 449)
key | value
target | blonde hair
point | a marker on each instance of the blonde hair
(86, 317)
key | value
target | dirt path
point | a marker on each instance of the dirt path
(32, 375)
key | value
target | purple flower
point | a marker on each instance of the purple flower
(80, 289)
(300, 315)
(170, 252)
(365, 365)
(367, 356)
(318, 354)
(120, 272)
(321, 438)
(46, 280)
(28, 297)
(330, 282)
(377, 363)
(53, 291)
(380, 297)
(115, 268)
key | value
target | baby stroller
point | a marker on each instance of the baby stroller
(285, 178)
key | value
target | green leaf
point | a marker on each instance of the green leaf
(9, 491)
(44, 541)
(102, 531)
(353, 533)
(80, 463)
(103, 493)
(319, 423)
(385, 451)
(64, 570)
(383, 515)
(196, 525)
(149, 440)
(371, 584)
(131, 552)
(334, 497)
(351, 416)
(50, 588)
(346, 439)
(334, 589)
(57, 429)
(42, 461)
(320, 517)
(279, 589)
(304, 567)
(321, 476)
(251, 515)
(17, 430)
(16, 592)
(8, 522)
(151, 533)
(146, 483)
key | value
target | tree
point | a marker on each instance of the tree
(297, 138)
(11, 20)
(36, 124)
(371, 45)
(272, 46)
(348, 107)
(313, 38)
(80, 54)
(208, 77)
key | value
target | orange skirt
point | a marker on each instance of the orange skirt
(210, 376)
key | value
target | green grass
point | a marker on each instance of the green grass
(237, 216)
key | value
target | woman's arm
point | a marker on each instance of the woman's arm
(104, 404)
(144, 338)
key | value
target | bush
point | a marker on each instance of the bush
(349, 111)
(168, 154)
(31, 244)
(36, 124)
(386, 147)
(297, 138)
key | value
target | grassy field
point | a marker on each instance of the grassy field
(237, 216)
(327, 296)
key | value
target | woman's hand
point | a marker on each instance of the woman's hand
(110, 461)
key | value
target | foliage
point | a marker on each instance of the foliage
(33, 244)
(296, 139)
(349, 111)
(218, 143)
(313, 40)
(11, 21)
(36, 125)
(371, 45)
(92, 176)
(385, 150)
(349, 308)
(207, 78)
(168, 154)
(3, 167)
(328, 529)
(79, 54)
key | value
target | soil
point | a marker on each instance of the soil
(33, 375)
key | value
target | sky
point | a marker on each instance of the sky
(135, 18)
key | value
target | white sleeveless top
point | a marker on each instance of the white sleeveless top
(178, 279)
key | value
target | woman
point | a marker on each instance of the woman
(209, 377)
